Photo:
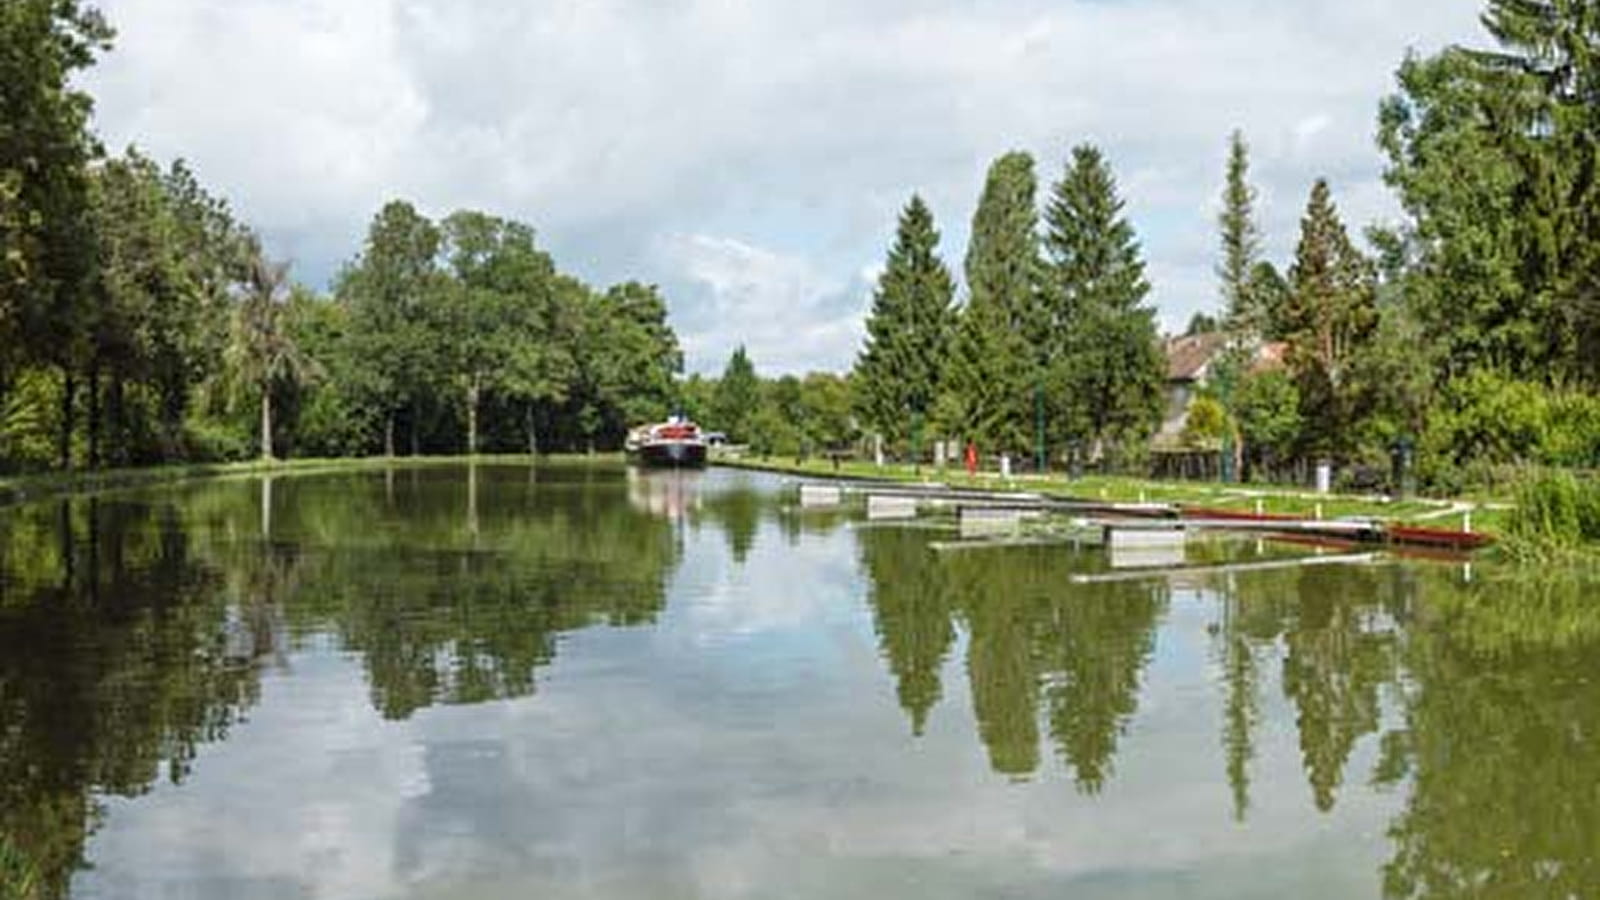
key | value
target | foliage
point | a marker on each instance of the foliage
(908, 331)
(1267, 407)
(1207, 423)
(1104, 366)
(990, 378)
(1201, 323)
(1554, 512)
(737, 398)
(1241, 243)
(1330, 316)
(1485, 419)
(1492, 154)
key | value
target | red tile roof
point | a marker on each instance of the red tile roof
(1188, 356)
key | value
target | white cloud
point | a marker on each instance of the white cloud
(795, 129)
(787, 313)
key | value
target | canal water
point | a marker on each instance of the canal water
(581, 681)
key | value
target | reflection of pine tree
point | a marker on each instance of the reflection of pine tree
(1096, 647)
(1005, 687)
(911, 614)
(739, 513)
(1336, 662)
(1253, 613)
(1241, 711)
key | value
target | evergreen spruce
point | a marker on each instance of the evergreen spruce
(898, 372)
(1105, 368)
(991, 378)
(1241, 242)
(1331, 314)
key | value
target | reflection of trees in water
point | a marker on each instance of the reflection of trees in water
(1099, 644)
(737, 511)
(464, 594)
(1339, 654)
(912, 615)
(1034, 641)
(1494, 684)
(115, 665)
(1499, 746)
(130, 634)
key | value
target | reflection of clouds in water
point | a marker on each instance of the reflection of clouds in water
(749, 744)
(646, 769)
(300, 801)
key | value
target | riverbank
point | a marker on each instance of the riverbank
(1485, 516)
(26, 488)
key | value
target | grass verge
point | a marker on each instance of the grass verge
(1484, 517)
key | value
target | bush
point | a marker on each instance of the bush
(1486, 422)
(1555, 512)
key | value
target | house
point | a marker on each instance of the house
(1191, 360)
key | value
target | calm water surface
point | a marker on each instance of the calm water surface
(574, 681)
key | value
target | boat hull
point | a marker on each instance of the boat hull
(671, 454)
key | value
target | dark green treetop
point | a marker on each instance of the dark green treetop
(897, 374)
(1105, 366)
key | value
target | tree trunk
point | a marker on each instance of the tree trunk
(94, 412)
(416, 442)
(388, 436)
(473, 392)
(533, 434)
(266, 422)
(117, 453)
(69, 391)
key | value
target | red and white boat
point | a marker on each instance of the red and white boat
(676, 443)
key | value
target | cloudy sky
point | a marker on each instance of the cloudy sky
(750, 157)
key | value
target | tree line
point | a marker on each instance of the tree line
(1467, 334)
(142, 322)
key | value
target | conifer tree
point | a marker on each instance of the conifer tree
(1330, 314)
(908, 330)
(991, 378)
(738, 395)
(1105, 366)
(1241, 242)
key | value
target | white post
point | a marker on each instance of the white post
(877, 449)
(1005, 466)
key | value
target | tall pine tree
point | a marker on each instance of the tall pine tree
(898, 372)
(1241, 243)
(1106, 370)
(1330, 315)
(991, 378)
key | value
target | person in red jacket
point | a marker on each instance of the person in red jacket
(972, 458)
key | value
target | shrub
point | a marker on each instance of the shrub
(1555, 512)
(1486, 421)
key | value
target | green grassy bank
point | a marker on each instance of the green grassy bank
(25, 488)
(1486, 515)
